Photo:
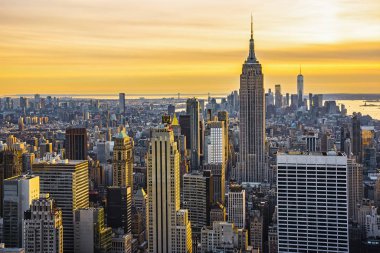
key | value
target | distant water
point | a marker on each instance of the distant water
(372, 109)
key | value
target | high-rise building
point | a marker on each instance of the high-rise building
(256, 231)
(122, 103)
(197, 198)
(219, 178)
(223, 117)
(91, 235)
(192, 109)
(19, 192)
(164, 195)
(215, 143)
(119, 204)
(252, 119)
(278, 95)
(67, 183)
(42, 228)
(122, 163)
(236, 206)
(356, 134)
(184, 122)
(355, 187)
(10, 166)
(312, 202)
(300, 88)
(76, 143)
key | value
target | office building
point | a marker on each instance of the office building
(312, 202)
(19, 192)
(236, 206)
(278, 95)
(122, 163)
(197, 198)
(67, 183)
(91, 235)
(252, 119)
(122, 103)
(42, 226)
(219, 178)
(300, 89)
(121, 243)
(76, 143)
(192, 109)
(10, 166)
(215, 143)
(224, 237)
(164, 195)
(119, 204)
(355, 188)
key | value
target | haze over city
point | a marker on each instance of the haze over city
(98, 46)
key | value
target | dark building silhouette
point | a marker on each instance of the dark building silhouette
(76, 143)
(184, 122)
(10, 166)
(119, 208)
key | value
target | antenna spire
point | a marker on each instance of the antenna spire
(251, 26)
(300, 70)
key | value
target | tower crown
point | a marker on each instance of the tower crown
(251, 57)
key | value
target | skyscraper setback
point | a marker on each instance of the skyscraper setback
(252, 119)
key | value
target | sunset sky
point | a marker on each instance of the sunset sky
(111, 46)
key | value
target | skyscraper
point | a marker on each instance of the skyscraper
(122, 163)
(76, 143)
(164, 196)
(236, 206)
(122, 103)
(10, 166)
(300, 91)
(91, 235)
(278, 96)
(67, 183)
(215, 142)
(192, 109)
(43, 229)
(252, 119)
(119, 203)
(312, 202)
(198, 198)
(19, 192)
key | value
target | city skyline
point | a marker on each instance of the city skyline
(91, 48)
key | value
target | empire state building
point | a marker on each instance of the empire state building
(252, 120)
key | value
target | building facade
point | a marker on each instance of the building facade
(312, 203)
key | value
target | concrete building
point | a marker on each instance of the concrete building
(236, 206)
(19, 192)
(372, 224)
(224, 237)
(215, 143)
(67, 183)
(256, 227)
(42, 226)
(355, 188)
(90, 233)
(252, 120)
(164, 195)
(121, 243)
(197, 198)
(122, 163)
(312, 202)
